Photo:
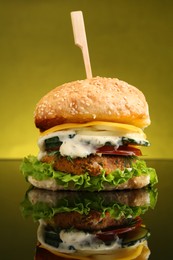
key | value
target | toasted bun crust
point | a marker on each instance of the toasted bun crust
(137, 197)
(134, 183)
(99, 99)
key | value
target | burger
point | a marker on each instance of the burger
(91, 132)
(84, 224)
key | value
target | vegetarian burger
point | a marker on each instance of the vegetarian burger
(90, 134)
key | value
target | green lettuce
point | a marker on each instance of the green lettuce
(103, 202)
(31, 166)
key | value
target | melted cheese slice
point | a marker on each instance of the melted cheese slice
(99, 125)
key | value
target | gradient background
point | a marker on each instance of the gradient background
(131, 40)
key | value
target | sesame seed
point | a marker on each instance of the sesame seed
(88, 104)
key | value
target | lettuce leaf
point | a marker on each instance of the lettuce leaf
(42, 171)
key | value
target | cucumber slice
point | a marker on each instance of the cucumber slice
(51, 237)
(138, 235)
(52, 142)
(126, 140)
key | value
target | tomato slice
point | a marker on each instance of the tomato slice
(122, 150)
(110, 234)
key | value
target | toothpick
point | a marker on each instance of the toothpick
(81, 40)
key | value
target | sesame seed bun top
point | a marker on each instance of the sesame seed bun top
(95, 99)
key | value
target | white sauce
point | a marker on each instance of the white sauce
(85, 142)
(80, 241)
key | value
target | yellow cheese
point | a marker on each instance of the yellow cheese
(128, 253)
(101, 124)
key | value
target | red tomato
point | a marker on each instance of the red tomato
(110, 234)
(122, 150)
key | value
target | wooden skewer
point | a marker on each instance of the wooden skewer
(80, 39)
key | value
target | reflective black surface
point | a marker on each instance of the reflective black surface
(18, 235)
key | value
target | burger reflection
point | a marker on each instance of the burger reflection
(84, 225)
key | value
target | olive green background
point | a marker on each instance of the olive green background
(131, 40)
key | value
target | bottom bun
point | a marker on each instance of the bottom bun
(137, 182)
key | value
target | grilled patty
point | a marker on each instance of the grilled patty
(93, 164)
(93, 221)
